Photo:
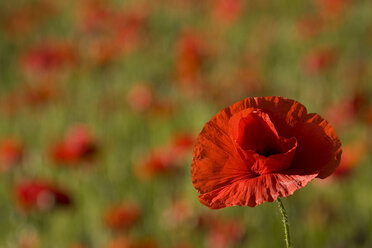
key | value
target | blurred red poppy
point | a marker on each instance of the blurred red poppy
(318, 60)
(30, 94)
(119, 242)
(182, 143)
(140, 97)
(353, 153)
(227, 10)
(309, 26)
(77, 146)
(346, 111)
(157, 162)
(11, 153)
(189, 57)
(145, 243)
(35, 194)
(22, 20)
(166, 159)
(125, 242)
(369, 116)
(332, 8)
(259, 149)
(28, 239)
(47, 57)
(110, 32)
(121, 216)
(178, 213)
(224, 233)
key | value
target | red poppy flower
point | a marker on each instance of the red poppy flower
(182, 143)
(227, 10)
(29, 95)
(140, 97)
(11, 153)
(48, 57)
(119, 242)
(77, 146)
(160, 161)
(22, 20)
(189, 58)
(224, 233)
(309, 26)
(167, 159)
(178, 213)
(124, 242)
(121, 217)
(260, 149)
(318, 61)
(40, 195)
(352, 155)
(332, 8)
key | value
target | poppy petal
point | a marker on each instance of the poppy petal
(216, 162)
(255, 191)
(319, 147)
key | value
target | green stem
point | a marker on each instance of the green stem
(285, 223)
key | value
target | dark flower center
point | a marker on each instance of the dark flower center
(259, 144)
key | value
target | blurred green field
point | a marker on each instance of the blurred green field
(136, 75)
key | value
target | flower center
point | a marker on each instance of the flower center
(259, 144)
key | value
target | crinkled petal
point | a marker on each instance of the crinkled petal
(255, 191)
(216, 162)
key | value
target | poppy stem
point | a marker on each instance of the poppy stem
(285, 223)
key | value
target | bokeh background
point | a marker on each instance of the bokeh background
(101, 102)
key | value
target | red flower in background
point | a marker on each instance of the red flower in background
(47, 57)
(165, 160)
(369, 116)
(178, 213)
(224, 233)
(22, 20)
(111, 33)
(40, 195)
(11, 153)
(125, 242)
(158, 162)
(119, 242)
(77, 146)
(332, 8)
(181, 143)
(227, 10)
(352, 154)
(189, 57)
(29, 95)
(92, 15)
(345, 112)
(309, 26)
(140, 97)
(260, 149)
(318, 61)
(221, 231)
(122, 216)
